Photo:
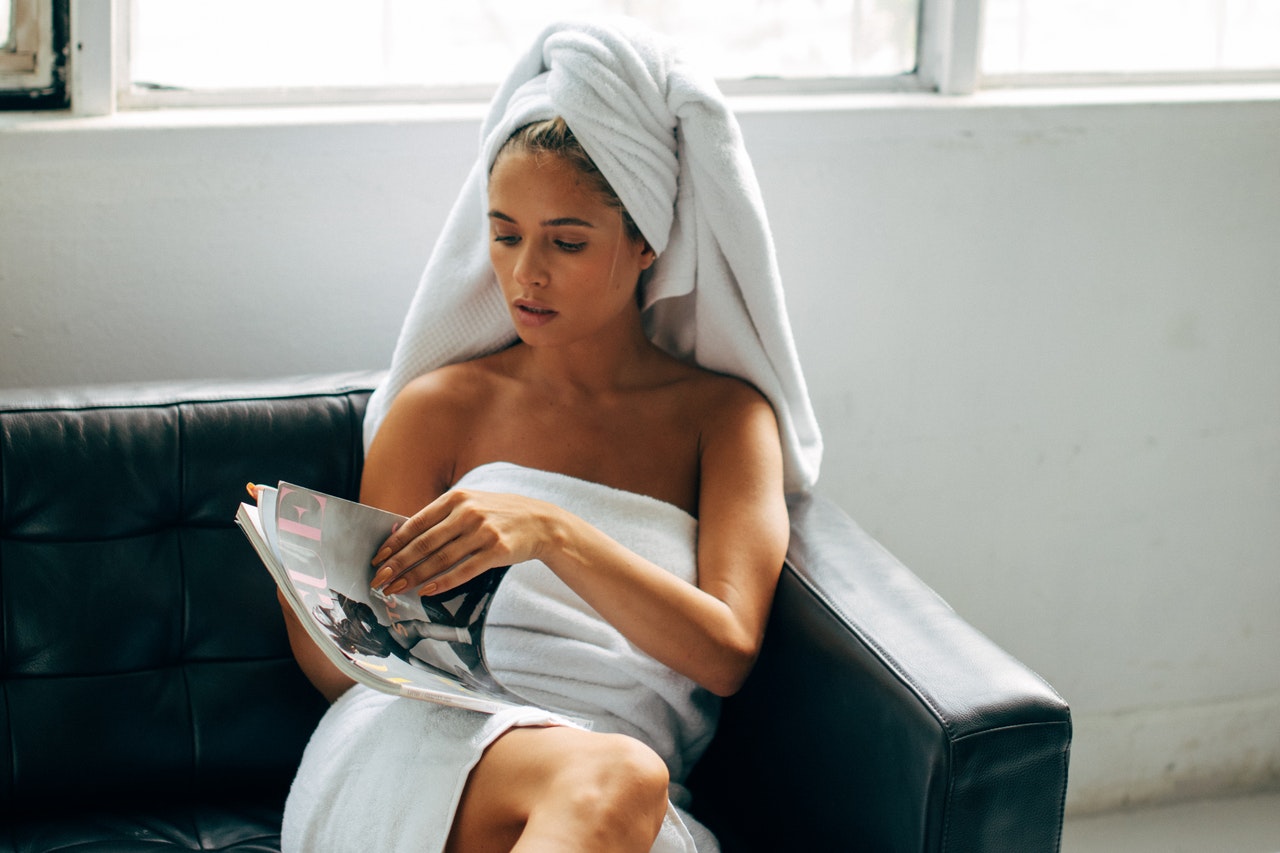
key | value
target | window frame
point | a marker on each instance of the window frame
(1113, 79)
(33, 64)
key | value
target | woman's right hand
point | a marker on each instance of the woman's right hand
(461, 535)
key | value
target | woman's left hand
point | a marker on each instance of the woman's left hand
(460, 535)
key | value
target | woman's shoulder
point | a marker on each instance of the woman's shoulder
(735, 420)
(721, 396)
(443, 402)
(452, 386)
(415, 454)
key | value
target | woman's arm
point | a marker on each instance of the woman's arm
(410, 461)
(710, 632)
(397, 477)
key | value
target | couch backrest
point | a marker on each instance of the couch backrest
(143, 652)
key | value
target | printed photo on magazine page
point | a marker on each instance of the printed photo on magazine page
(319, 549)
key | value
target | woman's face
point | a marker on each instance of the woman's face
(567, 268)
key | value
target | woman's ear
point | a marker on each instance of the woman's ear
(647, 256)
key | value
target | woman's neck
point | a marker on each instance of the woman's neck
(605, 364)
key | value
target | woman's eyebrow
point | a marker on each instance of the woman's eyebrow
(568, 220)
(553, 223)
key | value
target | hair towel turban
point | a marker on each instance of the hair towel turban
(663, 136)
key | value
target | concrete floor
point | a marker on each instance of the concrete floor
(1240, 825)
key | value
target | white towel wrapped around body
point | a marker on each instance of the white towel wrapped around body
(385, 773)
(666, 141)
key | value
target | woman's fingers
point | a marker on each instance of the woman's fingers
(412, 542)
(421, 521)
(461, 572)
(460, 551)
(447, 567)
(457, 537)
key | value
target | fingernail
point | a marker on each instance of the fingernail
(429, 589)
(383, 575)
(381, 556)
(398, 587)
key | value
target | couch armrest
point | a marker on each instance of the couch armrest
(878, 719)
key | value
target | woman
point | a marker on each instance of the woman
(638, 497)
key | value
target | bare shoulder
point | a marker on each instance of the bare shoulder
(742, 515)
(740, 451)
(725, 404)
(444, 392)
(413, 457)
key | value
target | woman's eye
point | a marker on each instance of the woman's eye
(506, 239)
(571, 247)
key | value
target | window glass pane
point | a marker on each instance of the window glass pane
(6, 23)
(272, 43)
(1047, 36)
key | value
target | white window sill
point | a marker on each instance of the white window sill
(1024, 98)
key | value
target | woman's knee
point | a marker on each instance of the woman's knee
(566, 788)
(618, 781)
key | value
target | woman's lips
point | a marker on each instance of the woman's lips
(533, 314)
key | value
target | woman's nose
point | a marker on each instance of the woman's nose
(530, 270)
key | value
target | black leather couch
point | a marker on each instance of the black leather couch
(150, 701)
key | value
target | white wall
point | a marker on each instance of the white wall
(1041, 339)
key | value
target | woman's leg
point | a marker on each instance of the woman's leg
(561, 789)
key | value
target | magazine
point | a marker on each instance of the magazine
(319, 548)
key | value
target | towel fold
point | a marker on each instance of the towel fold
(663, 136)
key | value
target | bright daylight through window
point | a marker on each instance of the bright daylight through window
(255, 44)
(1130, 36)
(285, 49)
(6, 23)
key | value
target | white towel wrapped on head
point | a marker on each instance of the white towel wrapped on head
(663, 136)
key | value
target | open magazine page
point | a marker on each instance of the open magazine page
(425, 647)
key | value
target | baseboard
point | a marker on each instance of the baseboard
(1149, 756)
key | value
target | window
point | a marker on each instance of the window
(159, 53)
(406, 49)
(33, 41)
(1131, 37)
